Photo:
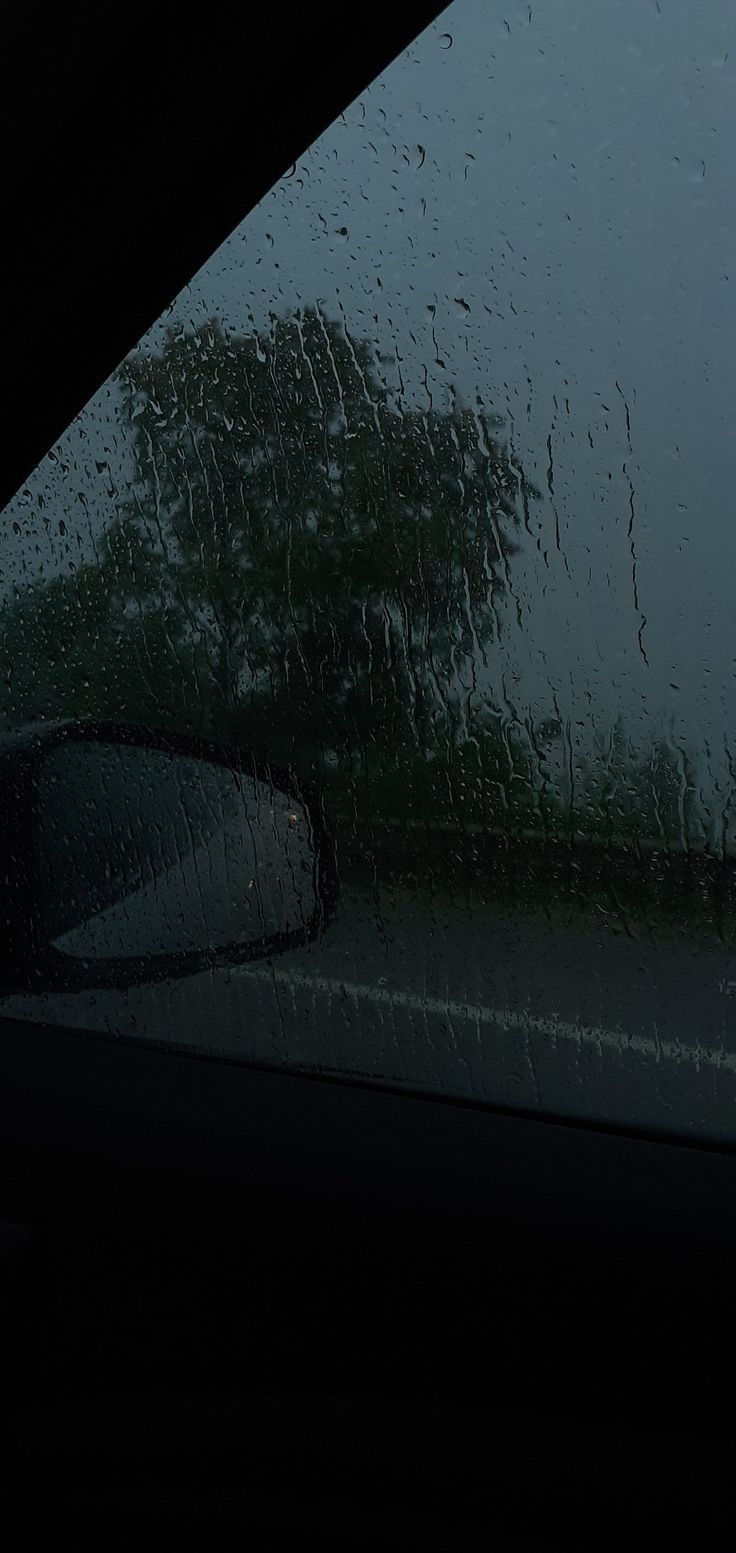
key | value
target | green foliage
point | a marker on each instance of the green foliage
(70, 649)
(624, 797)
(309, 563)
(332, 558)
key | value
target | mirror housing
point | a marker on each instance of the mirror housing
(30, 957)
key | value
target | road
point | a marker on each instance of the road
(481, 1003)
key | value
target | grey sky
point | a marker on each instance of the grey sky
(544, 197)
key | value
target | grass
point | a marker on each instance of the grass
(682, 896)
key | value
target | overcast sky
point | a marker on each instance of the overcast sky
(544, 196)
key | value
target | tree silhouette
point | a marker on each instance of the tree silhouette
(331, 558)
(628, 796)
(304, 560)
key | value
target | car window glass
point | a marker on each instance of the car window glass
(423, 488)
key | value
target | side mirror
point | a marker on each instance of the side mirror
(129, 856)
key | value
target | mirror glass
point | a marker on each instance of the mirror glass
(147, 852)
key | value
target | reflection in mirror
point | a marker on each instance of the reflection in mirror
(144, 852)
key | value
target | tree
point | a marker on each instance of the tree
(627, 796)
(75, 646)
(304, 560)
(331, 558)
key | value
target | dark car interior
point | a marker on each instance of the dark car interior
(247, 1302)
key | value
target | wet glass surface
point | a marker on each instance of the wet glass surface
(424, 489)
(145, 852)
